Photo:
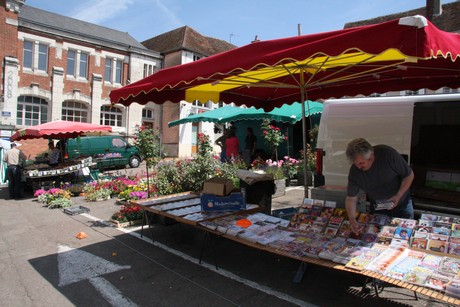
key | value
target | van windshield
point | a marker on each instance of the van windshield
(118, 143)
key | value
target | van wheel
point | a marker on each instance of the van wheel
(134, 161)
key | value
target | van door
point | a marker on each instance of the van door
(435, 151)
(116, 153)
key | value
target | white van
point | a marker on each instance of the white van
(423, 128)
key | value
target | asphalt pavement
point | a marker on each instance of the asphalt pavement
(43, 263)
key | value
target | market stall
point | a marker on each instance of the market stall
(319, 234)
(43, 176)
(40, 173)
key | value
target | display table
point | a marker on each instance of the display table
(185, 208)
(45, 176)
(181, 207)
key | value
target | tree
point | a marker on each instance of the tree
(148, 141)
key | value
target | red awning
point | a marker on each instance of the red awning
(404, 54)
(58, 130)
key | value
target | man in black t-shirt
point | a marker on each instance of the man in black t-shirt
(383, 174)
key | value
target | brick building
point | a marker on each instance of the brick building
(181, 46)
(55, 67)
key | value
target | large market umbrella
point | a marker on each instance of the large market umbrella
(58, 130)
(287, 114)
(403, 54)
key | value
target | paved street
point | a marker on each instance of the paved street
(44, 264)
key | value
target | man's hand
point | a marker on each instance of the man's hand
(354, 226)
(395, 200)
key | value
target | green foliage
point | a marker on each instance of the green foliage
(148, 141)
(54, 198)
(195, 171)
(167, 178)
(311, 160)
(97, 195)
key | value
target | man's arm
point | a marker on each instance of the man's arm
(405, 185)
(350, 205)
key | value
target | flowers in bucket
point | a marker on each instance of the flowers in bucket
(127, 214)
(94, 191)
(275, 168)
(54, 198)
(290, 167)
(269, 167)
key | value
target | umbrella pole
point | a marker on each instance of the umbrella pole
(304, 131)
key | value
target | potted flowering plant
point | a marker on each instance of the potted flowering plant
(94, 191)
(127, 216)
(290, 167)
(275, 168)
(54, 198)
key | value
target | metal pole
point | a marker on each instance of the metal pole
(304, 131)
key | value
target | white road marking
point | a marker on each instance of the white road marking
(110, 293)
(227, 274)
(75, 265)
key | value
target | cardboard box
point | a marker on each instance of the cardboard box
(218, 186)
(233, 202)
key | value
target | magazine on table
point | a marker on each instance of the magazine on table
(403, 233)
(417, 275)
(425, 223)
(330, 231)
(455, 230)
(453, 287)
(361, 261)
(404, 223)
(369, 238)
(429, 217)
(387, 231)
(454, 246)
(449, 265)
(335, 221)
(420, 243)
(361, 229)
(380, 219)
(441, 231)
(385, 259)
(438, 281)
(330, 249)
(395, 242)
(344, 230)
(404, 264)
(438, 246)
(431, 261)
(423, 228)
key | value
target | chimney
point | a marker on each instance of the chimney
(433, 8)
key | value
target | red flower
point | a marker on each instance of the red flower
(265, 132)
(142, 128)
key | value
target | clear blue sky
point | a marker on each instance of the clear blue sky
(235, 21)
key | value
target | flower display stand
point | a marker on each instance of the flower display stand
(126, 224)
